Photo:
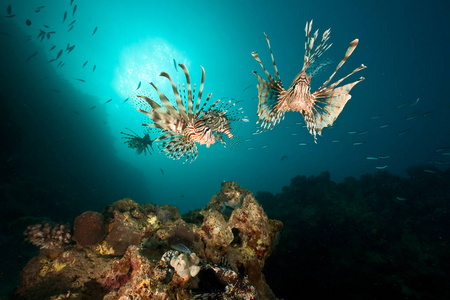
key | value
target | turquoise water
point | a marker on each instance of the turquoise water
(397, 117)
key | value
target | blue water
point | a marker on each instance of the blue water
(57, 137)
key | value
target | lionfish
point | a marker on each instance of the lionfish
(134, 141)
(319, 109)
(186, 123)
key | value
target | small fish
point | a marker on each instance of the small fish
(41, 7)
(357, 143)
(126, 100)
(284, 157)
(446, 153)
(430, 171)
(51, 60)
(375, 117)
(59, 64)
(400, 198)
(93, 69)
(73, 22)
(363, 132)
(65, 16)
(381, 168)
(70, 49)
(28, 22)
(92, 107)
(31, 56)
(108, 101)
(79, 79)
(335, 141)
(85, 63)
(411, 116)
(371, 157)
(427, 113)
(162, 171)
(247, 88)
(76, 112)
(71, 1)
(139, 85)
(352, 132)
(384, 126)
(46, 26)
(417, 101)
(175, 65)
(384, 157)
(9, 9)
(71, 27)
(265, 146)
(74, 10)
(403, 104)
(59, 54)
(4, 34)
(95, 30)
(250, 148)
(53, 47)
(302, 144)
(402, 132)
(255, 133)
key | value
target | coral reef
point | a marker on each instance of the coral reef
(133, 251)
(48, 236)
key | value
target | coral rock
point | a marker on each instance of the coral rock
(89, 228)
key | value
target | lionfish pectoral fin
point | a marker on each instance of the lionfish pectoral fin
(269, 103)
(331, 102)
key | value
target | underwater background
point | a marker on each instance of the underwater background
(372, 191)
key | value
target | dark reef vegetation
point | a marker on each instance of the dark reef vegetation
(377, 237)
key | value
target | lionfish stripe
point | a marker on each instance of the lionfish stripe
(188, 81)
(180, 105)
(277, 75)
(349, 52)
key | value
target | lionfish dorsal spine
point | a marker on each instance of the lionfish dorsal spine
(204, 104)
(309, 57)
(181, 108)
(171, 110)
(152, 103)
(277, 75)
(189, 90)
(200, 91)
(349, 52)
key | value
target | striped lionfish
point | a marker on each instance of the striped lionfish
(319, 109)
(134, 141)
(182, 126)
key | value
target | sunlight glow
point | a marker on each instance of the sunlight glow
(141, 64)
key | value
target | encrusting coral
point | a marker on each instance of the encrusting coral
(150, 252)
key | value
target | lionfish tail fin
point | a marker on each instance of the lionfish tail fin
(311, 56)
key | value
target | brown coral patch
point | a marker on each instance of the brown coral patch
(89, 228)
